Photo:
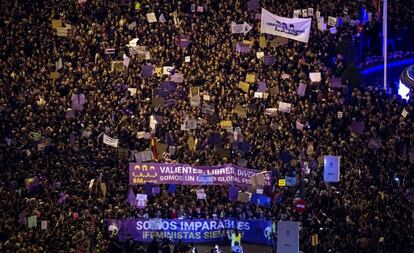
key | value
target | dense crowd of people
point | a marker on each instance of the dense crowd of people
(50, 149)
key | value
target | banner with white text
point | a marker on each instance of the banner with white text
(184, 174)
(291, 28)
(196, 231)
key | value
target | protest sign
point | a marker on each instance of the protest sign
(32, 221)
(244, 197)
(201, 194)
(310, 12)
(126, 60)
(253, 5)
(261, 95)
(287, 237)
(299, 126)
(250, 78)
(143, 156)
(315, 240)
(237, 28)
(54, 75)
(301, 89)
(151, 17)
(132, 25)
(257, 179)
(284, 107)
(281, 182)
(141, 200)
(297, 13)
(166, 70)
(240, 111)
(335, 82)
(187, 59)
(332, 21)
(117, 66)
(331, 170)
(243, 48)
(404, 113)
(56, 23)
(291, 28)
(183, 174)
(305, 13)
(269, 59)
(244, 86)
(262, 42)
(110, 141)
(315, 77)
(62, 31)
(290, 181)
(43, 225)
(110, 51)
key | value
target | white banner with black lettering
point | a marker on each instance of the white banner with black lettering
(291, 28)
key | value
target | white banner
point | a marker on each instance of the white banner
(291, 28)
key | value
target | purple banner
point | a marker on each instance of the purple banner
(195, 231)
(183, 174)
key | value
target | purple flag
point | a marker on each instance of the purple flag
(269, 60)
(147, 70)
(131, 198)
(242, 48)
(262, 87)
(253, 5)
(233, 192)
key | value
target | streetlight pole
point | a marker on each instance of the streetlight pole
(385, 40)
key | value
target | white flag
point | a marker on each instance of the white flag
(291, 28)
(246, 28)
(110, 141)
(59, 64)
(126, 60)
(91, 183)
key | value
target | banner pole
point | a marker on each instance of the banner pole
(385, 40)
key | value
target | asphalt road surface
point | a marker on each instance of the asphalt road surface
(247, 248)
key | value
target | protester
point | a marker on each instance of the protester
(60, 95)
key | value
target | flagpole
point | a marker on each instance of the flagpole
(385, 40)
